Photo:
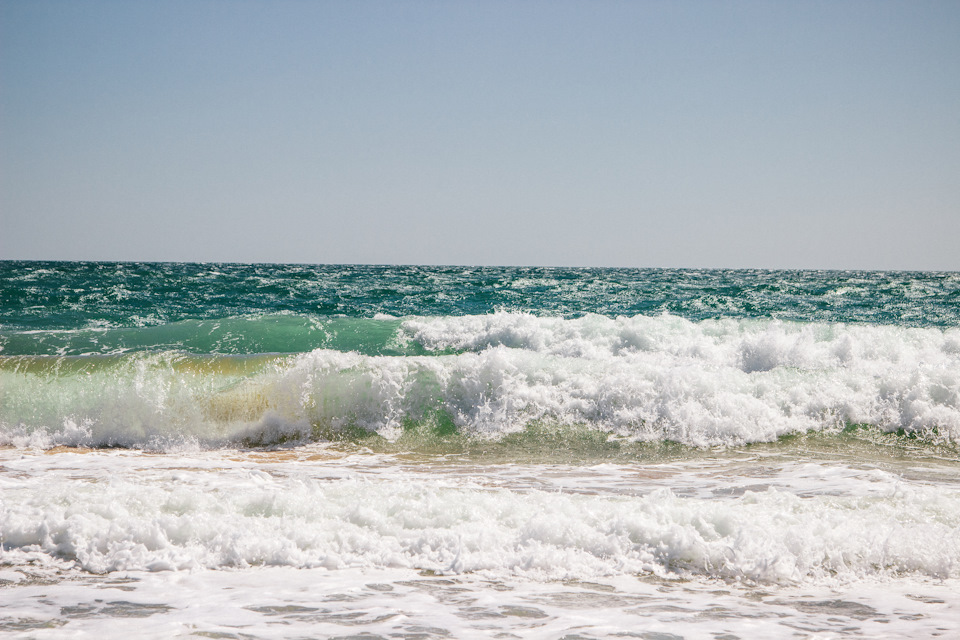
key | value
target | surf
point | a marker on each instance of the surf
(641, 378)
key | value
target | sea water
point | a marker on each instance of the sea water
(279, 451)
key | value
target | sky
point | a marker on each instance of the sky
(805, 134)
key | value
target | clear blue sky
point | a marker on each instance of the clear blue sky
(797, 134)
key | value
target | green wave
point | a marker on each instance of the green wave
(278, 333)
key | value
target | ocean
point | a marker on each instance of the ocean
(378, 452)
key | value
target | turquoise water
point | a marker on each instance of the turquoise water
(123, 354)
(77, 295)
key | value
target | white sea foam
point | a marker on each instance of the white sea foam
(647, 378)
(112, 514)
(314, 541)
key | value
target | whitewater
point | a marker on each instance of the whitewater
(260, 451)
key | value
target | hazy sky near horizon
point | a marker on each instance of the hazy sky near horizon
(676, 134)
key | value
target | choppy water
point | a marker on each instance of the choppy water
(465, 452)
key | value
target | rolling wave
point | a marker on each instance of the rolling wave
(641, 378)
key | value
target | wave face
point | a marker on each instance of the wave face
(640, 378)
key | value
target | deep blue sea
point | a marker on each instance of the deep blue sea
(418, 451)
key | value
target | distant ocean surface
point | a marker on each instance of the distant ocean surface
(267, 451)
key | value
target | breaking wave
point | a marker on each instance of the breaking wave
(700, 383)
